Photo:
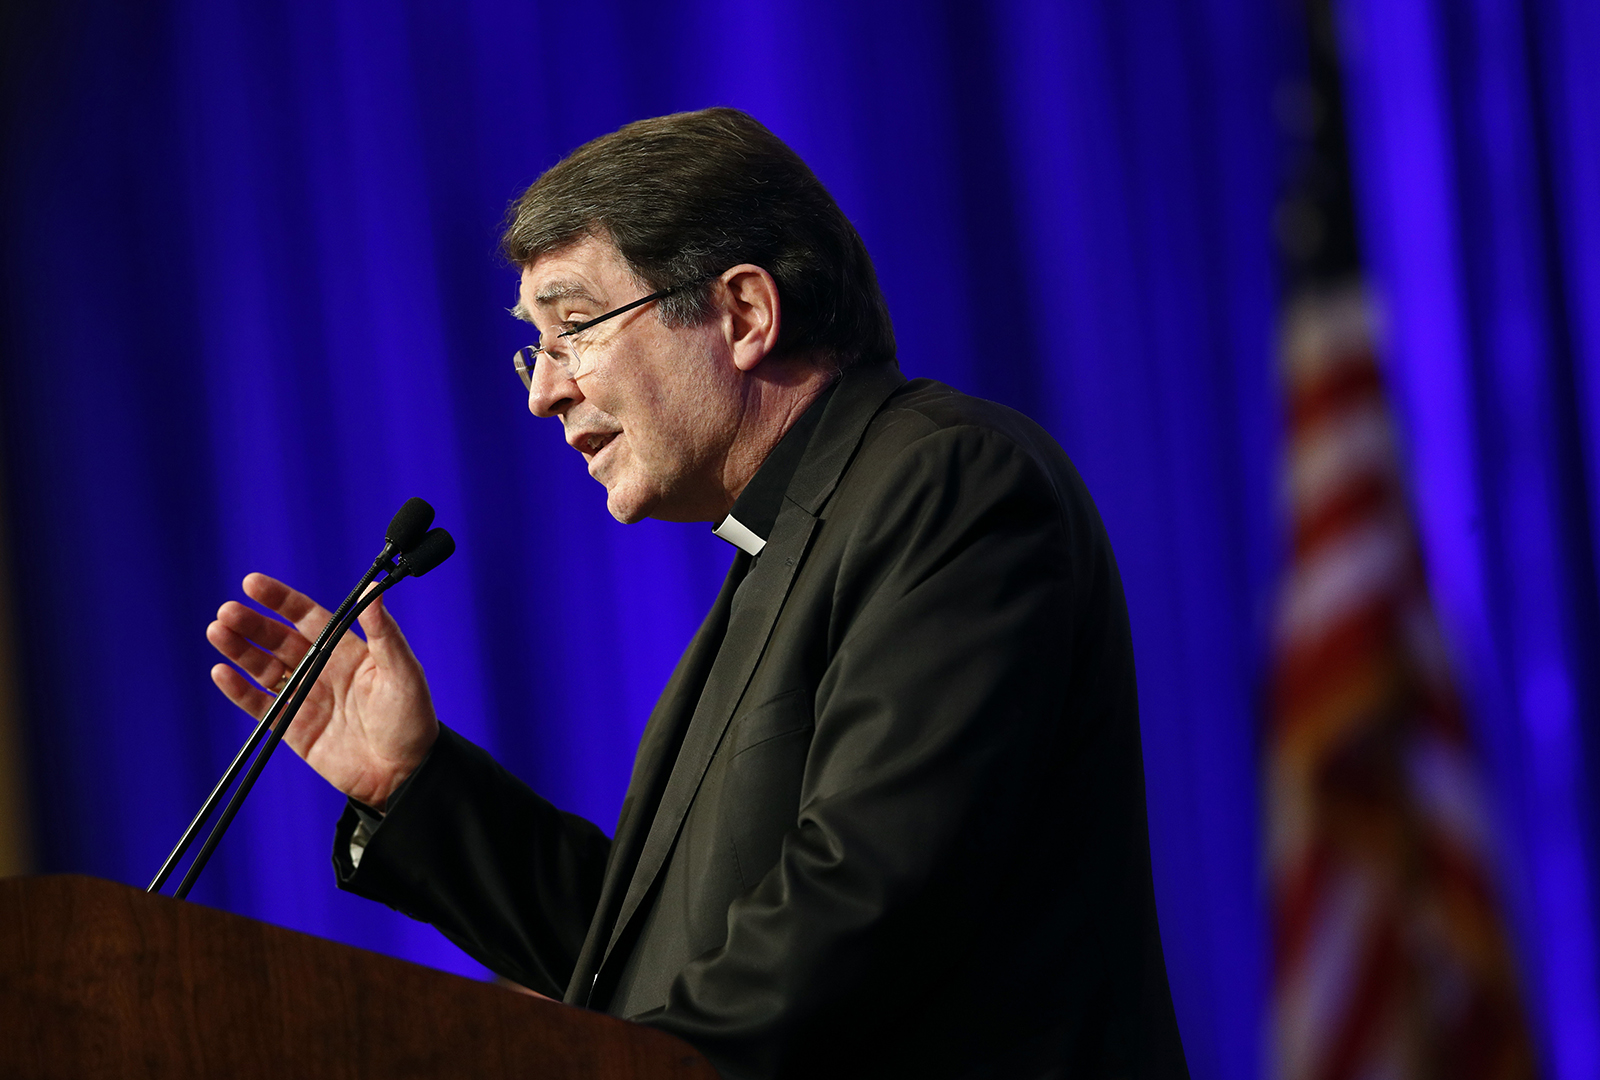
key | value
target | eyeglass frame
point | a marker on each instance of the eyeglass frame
(526, 357)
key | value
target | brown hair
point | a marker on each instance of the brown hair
(686, 196)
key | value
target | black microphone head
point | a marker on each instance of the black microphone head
(409, 524)
(434, 549)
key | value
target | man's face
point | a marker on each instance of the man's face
(656, 409)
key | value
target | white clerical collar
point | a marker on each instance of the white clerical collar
(739, 535)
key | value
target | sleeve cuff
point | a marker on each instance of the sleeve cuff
(360, 823)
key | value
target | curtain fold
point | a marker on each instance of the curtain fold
(1476, 149)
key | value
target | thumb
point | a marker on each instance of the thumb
(384, 639)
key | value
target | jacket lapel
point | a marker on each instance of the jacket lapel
(663, 734)
(765, 589)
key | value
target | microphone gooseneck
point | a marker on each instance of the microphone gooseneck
(419, 550)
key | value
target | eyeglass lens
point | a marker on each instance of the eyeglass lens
(563, 349)
(564, 352)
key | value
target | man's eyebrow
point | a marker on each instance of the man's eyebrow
(552, 291)
(564, 290)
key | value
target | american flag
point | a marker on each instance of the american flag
(1390, 957)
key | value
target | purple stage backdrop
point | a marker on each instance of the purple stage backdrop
(251, 303)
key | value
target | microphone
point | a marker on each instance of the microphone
(407, 528)
(433, 549)
(419, 550)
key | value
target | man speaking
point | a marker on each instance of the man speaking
(887, 818)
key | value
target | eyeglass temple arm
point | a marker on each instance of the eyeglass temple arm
(623, 310)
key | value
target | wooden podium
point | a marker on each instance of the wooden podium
(99, 979)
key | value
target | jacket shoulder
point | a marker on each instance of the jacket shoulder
(923, 412)
(923, 406)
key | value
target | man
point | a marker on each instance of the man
(887, 818)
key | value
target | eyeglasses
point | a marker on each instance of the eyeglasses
(565, 351)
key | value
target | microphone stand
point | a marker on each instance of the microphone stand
(380, 564)
(414, 550)
(318, 657)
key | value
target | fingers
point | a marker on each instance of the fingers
(247, 629)
(384, 638)
(268, 633)
(266, 649)
(308, 616)
(241, 691)
(267, 668)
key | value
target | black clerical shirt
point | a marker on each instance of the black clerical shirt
(750, 522)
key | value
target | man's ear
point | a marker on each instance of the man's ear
(751, 314)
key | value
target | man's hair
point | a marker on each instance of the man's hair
(684, 197)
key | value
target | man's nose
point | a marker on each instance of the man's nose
(552, 391)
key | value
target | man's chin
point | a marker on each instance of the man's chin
(630, 506)
(635, 494)
(626, 506)
(625, 515)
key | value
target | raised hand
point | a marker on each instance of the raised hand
(368, 722)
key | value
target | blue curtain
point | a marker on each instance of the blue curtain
(1476, 141)
(251, 303)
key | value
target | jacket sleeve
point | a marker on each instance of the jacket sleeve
(473, 850)
(974, 709)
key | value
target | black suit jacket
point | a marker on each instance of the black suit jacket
(888, 816)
